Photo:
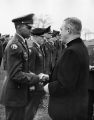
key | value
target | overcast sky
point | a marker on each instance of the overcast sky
(56, 9)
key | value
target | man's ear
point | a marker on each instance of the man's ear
(18, 26)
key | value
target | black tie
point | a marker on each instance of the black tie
(26, 44)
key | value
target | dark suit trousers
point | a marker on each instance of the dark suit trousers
(15, 113)
(90, 104)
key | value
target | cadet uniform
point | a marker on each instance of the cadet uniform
(39, 58)
(37, 65)
(41, 52)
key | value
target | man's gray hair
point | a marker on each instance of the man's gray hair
(75, 24)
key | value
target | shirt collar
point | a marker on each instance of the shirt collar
(37, 44)
(21, 37)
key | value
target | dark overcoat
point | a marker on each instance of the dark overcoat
(68, 88)
(16, 64)
(91, 80)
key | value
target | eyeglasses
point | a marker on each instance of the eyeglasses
(29, 27)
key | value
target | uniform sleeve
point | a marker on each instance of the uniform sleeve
(1, 52)
(16, 66)
(67, 74)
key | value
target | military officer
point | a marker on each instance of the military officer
(16, 85)
(38, 50)
(37, 65)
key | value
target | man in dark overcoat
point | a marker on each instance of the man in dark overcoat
(68, 88)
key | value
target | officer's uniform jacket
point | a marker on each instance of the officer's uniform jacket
(47, 50)
(16, 64)
(36, 59)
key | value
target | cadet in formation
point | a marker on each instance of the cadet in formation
(36, 65)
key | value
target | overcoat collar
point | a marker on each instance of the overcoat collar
(77, 40)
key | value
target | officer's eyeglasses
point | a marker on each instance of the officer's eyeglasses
(29, 27)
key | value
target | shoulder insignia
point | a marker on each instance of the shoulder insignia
(14, 46)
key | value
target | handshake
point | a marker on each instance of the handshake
(91, 68)
(43, 77)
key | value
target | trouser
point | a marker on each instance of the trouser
(32, 107)
(90, 104)
(15, 113)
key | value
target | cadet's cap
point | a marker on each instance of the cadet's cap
(27, 19)
(40, 31)
(55, 33)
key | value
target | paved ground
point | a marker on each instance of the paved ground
(42, 113)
